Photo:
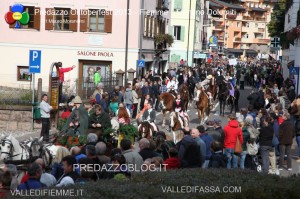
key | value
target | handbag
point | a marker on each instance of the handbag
(238, 146)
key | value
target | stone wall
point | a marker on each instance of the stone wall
(11, 120)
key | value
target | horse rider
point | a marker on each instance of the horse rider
(179, 110)
(150, 115)
(205, 84)
(231, 87)
(172, 85)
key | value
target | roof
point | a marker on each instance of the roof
(212, 4)
(229, 5)
(258, 9)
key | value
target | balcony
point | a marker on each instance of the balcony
(219, 27)
(260, 19)
(221, 38)
(162, 5)
(248, 18)
(237, 40)
(262, 30)
(261, 41)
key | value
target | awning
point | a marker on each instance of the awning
(214, 5)
(258, 9)
(228, 5)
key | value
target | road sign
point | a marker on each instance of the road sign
(35, 61)
(213, 41)
(275, 42)
(140, 63)
(294, 71)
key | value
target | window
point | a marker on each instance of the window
(30, 10)
(238, 24)
(177, 31)
(23, 73)
(177, 5)
(96, 21)
(256, 25)
(34, 18)
(62, 19)
(245, 36)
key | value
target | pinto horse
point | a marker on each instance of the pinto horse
(167, 103)
(184, 93)
(146, 130)
(202, 104)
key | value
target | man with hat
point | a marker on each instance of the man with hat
(79, 118)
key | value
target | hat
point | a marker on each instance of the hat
(209, 77)
(77, 100)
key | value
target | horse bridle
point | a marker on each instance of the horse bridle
(4, 141)
(11, 149)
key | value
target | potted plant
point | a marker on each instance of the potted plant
(161, 39)
(127, 132)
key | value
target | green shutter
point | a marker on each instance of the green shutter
(182, 33)
(178, 5)
(171, 30)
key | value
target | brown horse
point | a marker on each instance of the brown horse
(202, 105)
(185, 96)
(167, 103)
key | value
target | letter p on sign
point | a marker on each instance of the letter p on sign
(35, 61)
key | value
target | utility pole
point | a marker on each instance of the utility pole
(188, 41)
(126, 45)
(141, 36)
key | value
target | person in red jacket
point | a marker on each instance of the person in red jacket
(62, 71)
(173, 161)
(232, 132)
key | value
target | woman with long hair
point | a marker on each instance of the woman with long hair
(147, 99)
(123, 116)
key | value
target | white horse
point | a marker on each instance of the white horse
(12, 150)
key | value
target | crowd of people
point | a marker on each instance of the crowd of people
(265, 129)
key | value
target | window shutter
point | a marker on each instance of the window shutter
(108, 22)
(163, 28)
(73, 20)
(49, 19)
(171, 31)
(11, 25)
(145, 26)
(37, 19)
(178, 5)
(182, 33)
(84, 24)
(155, 26)
(151, 28)
(159, 3)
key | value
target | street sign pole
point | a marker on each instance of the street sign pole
(33, 83)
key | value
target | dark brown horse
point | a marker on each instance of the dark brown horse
(202, 104)
(167, 103)
(185, 96)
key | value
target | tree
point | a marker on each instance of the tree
(276, 25)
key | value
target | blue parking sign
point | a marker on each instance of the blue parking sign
(35, 61)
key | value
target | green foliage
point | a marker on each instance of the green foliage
(61, 123)
(161, 38)
(248, 184)
(276, 25)
(128, 130)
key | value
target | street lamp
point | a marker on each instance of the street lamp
(126, 45)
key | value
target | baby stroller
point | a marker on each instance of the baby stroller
(253, 159)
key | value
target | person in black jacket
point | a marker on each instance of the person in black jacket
(265, 142)
(217, 159)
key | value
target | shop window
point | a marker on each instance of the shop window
(23, 73)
